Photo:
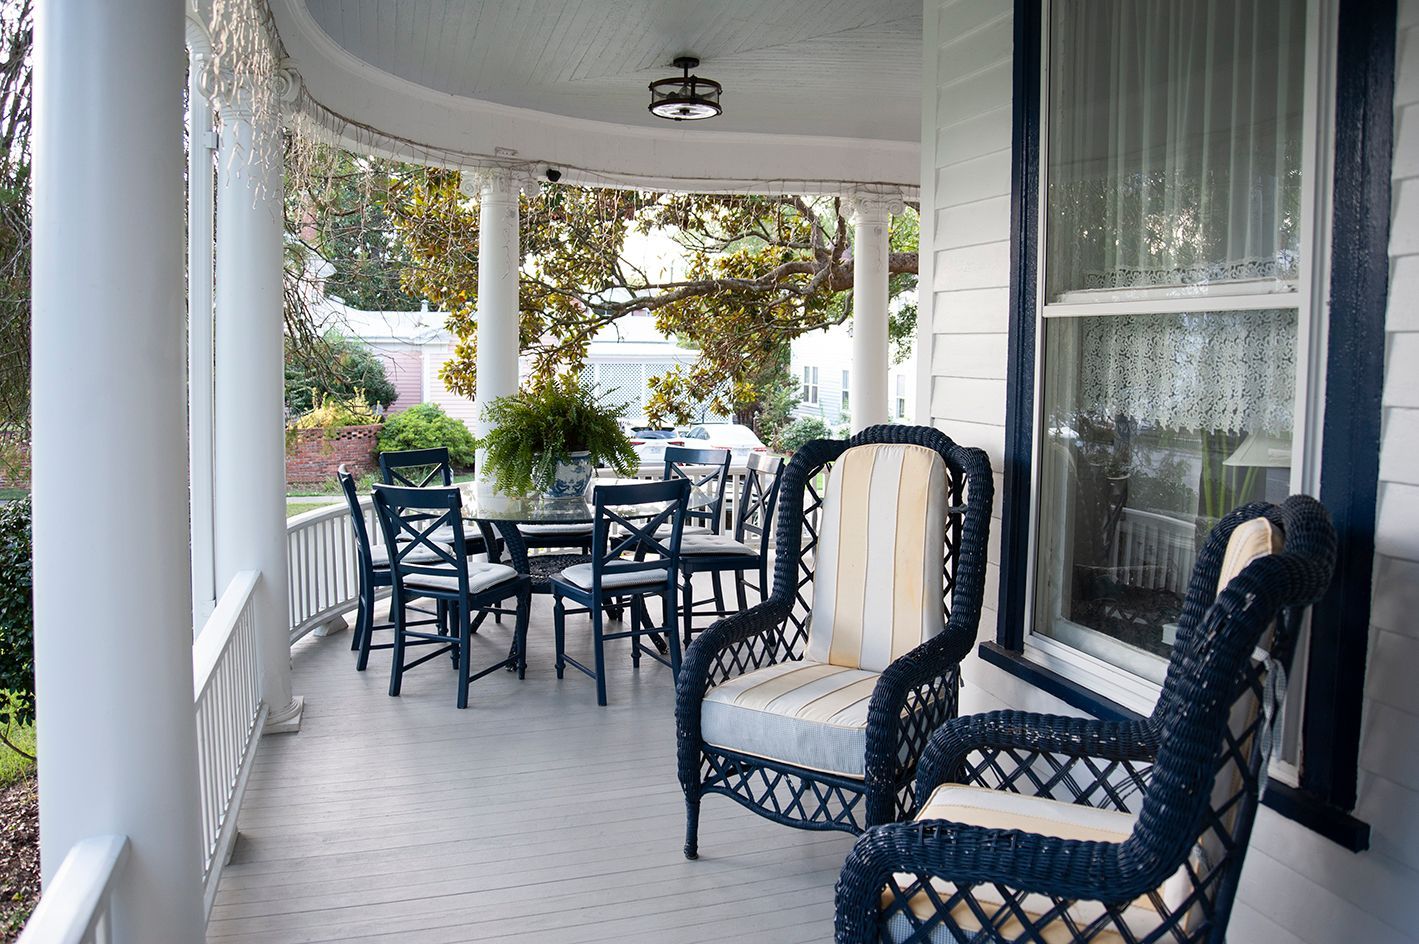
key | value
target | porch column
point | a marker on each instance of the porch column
(872, 218)
(112, 594)
(250, 443)
(201, 143)
(499, 258)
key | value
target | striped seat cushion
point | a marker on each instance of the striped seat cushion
(877, 587)
(997, 809)
(808, 714)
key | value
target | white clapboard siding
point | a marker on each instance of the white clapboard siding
(1298, 887)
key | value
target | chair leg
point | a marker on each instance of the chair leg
(692, 827)
(672, 632)
(635, 608)
(524, 613)
(559, 632)
(718, 592)
(596, 617)
(739, 591)
(687, 606)
(396, 666)
(360, 620)
(364, 630)
(763, 581)
(465, 633)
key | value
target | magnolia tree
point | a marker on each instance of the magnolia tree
(751, 273)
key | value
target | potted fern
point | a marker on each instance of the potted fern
(551, 437)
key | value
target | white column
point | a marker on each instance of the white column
(872, 217)
(250, 443)
(113, 611)
(201, 144)
(499, 258)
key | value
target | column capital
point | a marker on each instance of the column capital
(236, 94)
(874, 206)
(497, 183)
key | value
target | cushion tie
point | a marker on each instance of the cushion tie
(1273, 696)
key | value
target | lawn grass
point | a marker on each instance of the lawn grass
(300, 508)
(13, 494)
(14, 766)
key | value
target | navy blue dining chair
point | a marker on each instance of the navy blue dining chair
(414, 521)
(639, 561)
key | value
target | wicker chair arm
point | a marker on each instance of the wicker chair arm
(732, 646)
(970, 855)
(1021, 738)
(914, 696)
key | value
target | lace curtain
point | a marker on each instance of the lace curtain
(1232, 371)
(1174, 142)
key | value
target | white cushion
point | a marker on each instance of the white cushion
(1249, 541)
(877, 587)
(379, 554)
(613, 578)
(998, 809)
(555, 530)
(714, 544)
(663, 532)
(809, 714)
(481, 576)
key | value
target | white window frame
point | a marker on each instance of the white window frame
(901, 396)
(1311, 289)
(810, 384)
(844, 392)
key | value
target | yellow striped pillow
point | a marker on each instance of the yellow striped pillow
(877, 586)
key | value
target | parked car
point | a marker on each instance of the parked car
(650, 443)
(739, 439)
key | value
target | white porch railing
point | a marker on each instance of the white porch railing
(1154, 551)
(76, 906)
(323, 572)
(227, 700)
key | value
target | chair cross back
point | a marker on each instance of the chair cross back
(639, 537)
(411, 536)
(416, 468)
(754, 508)
(677, 458)
(363, 544)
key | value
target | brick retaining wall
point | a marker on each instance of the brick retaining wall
(313, 455)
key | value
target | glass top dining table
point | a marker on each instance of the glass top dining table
(499, 515)
(482, 504)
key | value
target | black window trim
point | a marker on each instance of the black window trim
(1325, 799)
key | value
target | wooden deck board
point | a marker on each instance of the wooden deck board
(531, 816)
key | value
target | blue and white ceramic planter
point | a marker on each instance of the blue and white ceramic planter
(573, 477)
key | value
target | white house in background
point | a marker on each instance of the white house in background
(415, 345)
(822, 362)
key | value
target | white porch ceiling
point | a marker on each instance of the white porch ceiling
(838, 68)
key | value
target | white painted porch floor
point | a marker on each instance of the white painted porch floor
(533, 815)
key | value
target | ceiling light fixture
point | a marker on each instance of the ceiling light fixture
(685, 98)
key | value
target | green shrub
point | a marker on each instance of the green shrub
(424, 427)
(800, 432)
(335, 367)
(535, 429)
(333, 414)
(16, 616)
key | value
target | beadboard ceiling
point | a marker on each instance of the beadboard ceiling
(848, 68)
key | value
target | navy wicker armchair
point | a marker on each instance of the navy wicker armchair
(812, 707)
(1049, 829)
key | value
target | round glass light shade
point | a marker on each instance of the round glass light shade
(686, 98)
